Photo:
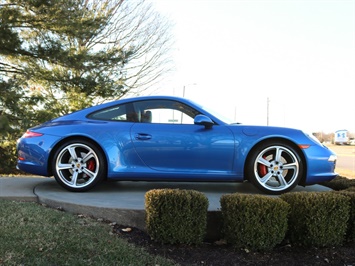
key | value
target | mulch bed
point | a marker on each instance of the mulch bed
(218, 253)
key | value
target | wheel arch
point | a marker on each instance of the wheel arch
(61, 142)
(285, 141)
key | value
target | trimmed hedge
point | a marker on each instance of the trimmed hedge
(253, 221)
(176, 216)
(317, 218)
(350, 235)
(340, 183)
(256, 222)
(350, 189)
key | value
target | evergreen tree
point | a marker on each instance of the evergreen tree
(65, 55)
(58, 56)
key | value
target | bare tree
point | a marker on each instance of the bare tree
(138, 29)
(70, 54)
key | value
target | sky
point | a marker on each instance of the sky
(284, 63)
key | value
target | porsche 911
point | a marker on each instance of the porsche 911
(166, 138)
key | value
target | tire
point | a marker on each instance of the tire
(274, 168)
(78, 165)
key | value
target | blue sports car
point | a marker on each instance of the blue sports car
(164, 138)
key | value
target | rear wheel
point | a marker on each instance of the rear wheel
(78, 165)
(274, 168)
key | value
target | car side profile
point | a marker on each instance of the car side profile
(165, 138)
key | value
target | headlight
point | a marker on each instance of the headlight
(332, 158)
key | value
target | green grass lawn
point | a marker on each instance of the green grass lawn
(31, 234)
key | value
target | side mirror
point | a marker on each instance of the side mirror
(204, 121)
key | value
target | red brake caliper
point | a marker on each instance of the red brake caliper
(91, 165)
(262, 168)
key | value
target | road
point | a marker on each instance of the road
(346, 156)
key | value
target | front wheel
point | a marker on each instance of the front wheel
(78, 165)
(275, 168)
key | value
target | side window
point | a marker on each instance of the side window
(149, 111)
(124, 113)
(167, 116)
(166, 112)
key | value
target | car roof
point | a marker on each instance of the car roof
(81, 114)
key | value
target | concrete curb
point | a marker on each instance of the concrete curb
(20, 188)
(121, 202)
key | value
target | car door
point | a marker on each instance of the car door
(184, 147)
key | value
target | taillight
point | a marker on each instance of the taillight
(31, 134)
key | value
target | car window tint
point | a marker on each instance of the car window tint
(125, 112)
(151, 111)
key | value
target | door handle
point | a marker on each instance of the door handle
(143, 136)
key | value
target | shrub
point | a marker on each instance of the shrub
(176, 216)
(8, 157)
(350, 235)
(253, 221)
(350, 189)
(339, 183)
(317, 218)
